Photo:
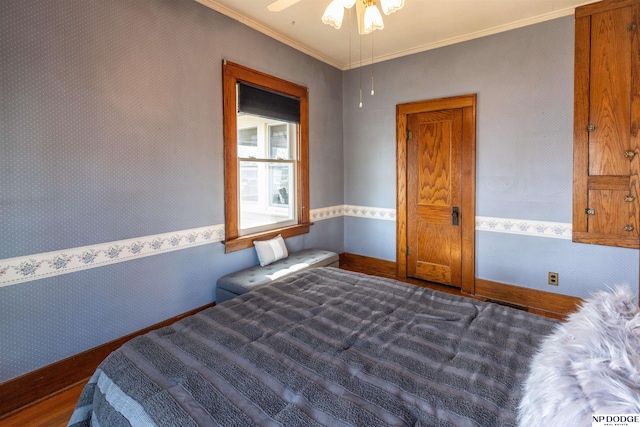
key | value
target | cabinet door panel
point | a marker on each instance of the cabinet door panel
(606, 160)
(610, 92)
(612, 213)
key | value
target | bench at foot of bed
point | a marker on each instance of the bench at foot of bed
(234, 284)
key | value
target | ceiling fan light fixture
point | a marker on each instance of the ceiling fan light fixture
(334, 13)
(390, 6)
(348, 4)
(372, 17)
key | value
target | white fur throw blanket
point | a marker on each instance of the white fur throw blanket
(589, 365)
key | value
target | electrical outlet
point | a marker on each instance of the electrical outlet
(553, 278)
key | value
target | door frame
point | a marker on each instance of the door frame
(468, 197)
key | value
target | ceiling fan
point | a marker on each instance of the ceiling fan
(368, 15)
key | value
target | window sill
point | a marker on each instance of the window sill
(244, 242)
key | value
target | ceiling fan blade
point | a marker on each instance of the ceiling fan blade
(279, 5)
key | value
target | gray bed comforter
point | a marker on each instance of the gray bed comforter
(323, 347)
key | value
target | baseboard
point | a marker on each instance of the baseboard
(532, 300)
(37, 385)
(540, 302)
(364, 263)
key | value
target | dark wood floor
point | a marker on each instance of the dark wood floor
(56, 410)
(53, 411)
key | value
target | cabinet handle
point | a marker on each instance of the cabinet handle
(628, 227)
(629, 198)
(629, 154)
(632, 27)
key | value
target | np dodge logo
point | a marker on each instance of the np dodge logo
(630, 420)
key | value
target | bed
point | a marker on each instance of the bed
(323, 347)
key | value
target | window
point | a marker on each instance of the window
(266, 157)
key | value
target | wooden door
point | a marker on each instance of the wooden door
(436, 191)
(433, 196)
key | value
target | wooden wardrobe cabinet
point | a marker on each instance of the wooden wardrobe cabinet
(606, 163)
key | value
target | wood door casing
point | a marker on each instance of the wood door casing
(467, 104)
(433, 190)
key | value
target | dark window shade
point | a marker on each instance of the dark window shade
(264, 103)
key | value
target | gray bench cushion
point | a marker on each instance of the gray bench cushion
(238, 283)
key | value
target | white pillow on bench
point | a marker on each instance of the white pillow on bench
(271, 250)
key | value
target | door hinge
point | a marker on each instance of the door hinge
(409, 134)
(408, 250)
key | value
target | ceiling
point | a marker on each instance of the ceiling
(421, 25)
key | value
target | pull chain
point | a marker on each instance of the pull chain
(360, 39)
(372, 91)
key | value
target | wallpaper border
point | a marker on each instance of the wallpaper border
(350, 210)
(555, 230)
(38, 266)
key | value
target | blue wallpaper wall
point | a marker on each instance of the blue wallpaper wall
(111, 129)
(524, 82)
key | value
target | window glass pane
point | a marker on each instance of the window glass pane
(248, 182)
(279, 141)
(279, 180)
(248, 137)
(263, 138)
(269, 200)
